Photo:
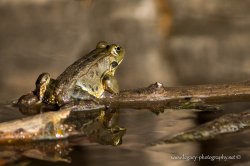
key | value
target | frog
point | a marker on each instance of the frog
(89, 78)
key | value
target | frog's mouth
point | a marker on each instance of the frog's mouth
(120, 56)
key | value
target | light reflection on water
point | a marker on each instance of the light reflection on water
(143, 129)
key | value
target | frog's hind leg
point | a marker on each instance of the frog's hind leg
(29, 104)
(81, 98)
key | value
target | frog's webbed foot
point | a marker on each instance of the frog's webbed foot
(110, 84)
(29, 104)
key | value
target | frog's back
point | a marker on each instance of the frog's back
(81, 69)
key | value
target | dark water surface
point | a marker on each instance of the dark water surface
(144, 129)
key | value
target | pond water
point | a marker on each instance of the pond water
(140, 143)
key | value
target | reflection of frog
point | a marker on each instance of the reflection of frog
(87, 78)
(98, 126)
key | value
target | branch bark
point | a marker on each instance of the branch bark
(156, 96)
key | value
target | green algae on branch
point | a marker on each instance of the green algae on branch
(156, 96)
(229, 123)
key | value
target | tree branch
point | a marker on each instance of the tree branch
(156, 96)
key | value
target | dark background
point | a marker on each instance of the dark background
(173, 42)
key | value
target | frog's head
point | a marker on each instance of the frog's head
(115, 52)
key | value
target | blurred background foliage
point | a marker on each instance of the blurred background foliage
(175, 42)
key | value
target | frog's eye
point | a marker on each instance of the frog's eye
(115, 50)
(118, 49)
(114, 64)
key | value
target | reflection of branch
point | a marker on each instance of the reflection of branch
(37, 127)
(156, 96)
(98, 125)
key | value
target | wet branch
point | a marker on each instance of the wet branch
(156, 96)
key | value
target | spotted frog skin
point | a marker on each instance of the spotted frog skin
(87, 78)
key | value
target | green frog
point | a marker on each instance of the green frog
(88, 78)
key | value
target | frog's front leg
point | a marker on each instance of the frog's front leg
(42, 83)
(110, 84)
